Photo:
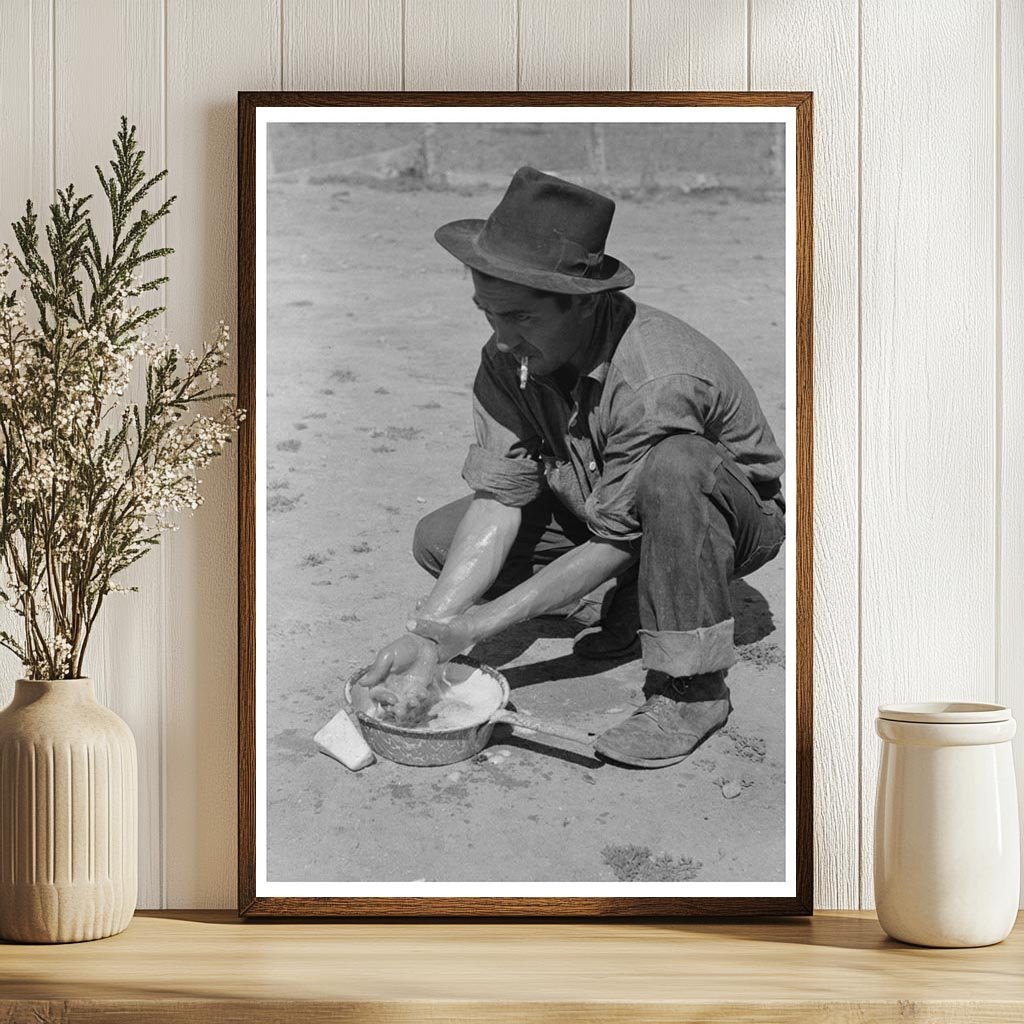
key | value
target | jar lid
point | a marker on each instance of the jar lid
(945, 713)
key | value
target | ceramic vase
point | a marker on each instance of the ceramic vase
(947, 847)
(68, 815)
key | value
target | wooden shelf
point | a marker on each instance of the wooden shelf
(209, 966)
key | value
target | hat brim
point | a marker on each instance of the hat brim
(460, 238)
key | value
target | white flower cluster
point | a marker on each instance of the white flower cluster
(93, 471)
(171, 482)
(19, 339)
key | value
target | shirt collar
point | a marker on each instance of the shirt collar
(616, 314)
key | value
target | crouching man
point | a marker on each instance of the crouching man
(618, 452)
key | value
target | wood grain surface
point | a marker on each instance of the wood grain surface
(202, 967)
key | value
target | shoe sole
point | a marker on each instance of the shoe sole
(657, 762)
(643, 762)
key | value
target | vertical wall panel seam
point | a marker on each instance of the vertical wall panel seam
(53, 97)
(32, 169)
(280, 40)
(860, 458)
(162, 695)
(750, 21)
(519, 36)
(629, 44)
(997, 233)
(402, 40)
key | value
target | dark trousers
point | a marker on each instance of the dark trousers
(703, 524)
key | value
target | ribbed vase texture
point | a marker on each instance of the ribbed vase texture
(68, 815)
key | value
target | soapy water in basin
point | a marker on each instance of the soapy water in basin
(468, 698)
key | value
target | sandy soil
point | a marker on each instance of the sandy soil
(373, 347)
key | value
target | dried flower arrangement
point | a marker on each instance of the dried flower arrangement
(88, 479)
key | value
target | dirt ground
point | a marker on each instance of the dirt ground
(373, 344)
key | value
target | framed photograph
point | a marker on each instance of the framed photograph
(525, 526)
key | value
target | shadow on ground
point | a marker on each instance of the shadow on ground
(754, 622)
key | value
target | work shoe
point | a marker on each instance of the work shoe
(678, 716)
(620, 621)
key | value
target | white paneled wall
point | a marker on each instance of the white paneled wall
(1009, 367)
(928, 415)
(919, 323)
(831, 71)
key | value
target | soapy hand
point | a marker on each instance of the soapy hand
(405, 679)
(452, 635)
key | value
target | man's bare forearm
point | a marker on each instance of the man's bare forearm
(479, 549)
(566, 579)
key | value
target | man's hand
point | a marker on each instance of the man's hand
(403, 678)
(408, 655)
(452, 635)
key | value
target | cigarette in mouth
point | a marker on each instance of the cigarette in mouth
(524, 372)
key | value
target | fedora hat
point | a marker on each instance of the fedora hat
(545, 233)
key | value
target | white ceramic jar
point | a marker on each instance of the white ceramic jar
(947, 847)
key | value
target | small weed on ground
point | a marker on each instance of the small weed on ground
(762, 654)
(317, 558)
(397, 433)
(751, 748)
(282, 502)
(636, 864)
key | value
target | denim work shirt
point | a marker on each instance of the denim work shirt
(650, 376)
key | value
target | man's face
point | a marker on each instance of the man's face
(530, 324)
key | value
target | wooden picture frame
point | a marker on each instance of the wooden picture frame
(796, 109)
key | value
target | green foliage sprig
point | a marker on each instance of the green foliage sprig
(88, 479)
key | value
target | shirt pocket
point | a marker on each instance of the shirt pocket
(565, 485)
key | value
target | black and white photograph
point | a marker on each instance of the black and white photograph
(525, 503)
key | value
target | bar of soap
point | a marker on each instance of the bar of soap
(341, 739)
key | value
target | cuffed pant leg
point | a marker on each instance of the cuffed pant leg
(548, 530)
(702, 524)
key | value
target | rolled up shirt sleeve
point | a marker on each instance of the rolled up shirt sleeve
(673, 404)
(505, 460)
